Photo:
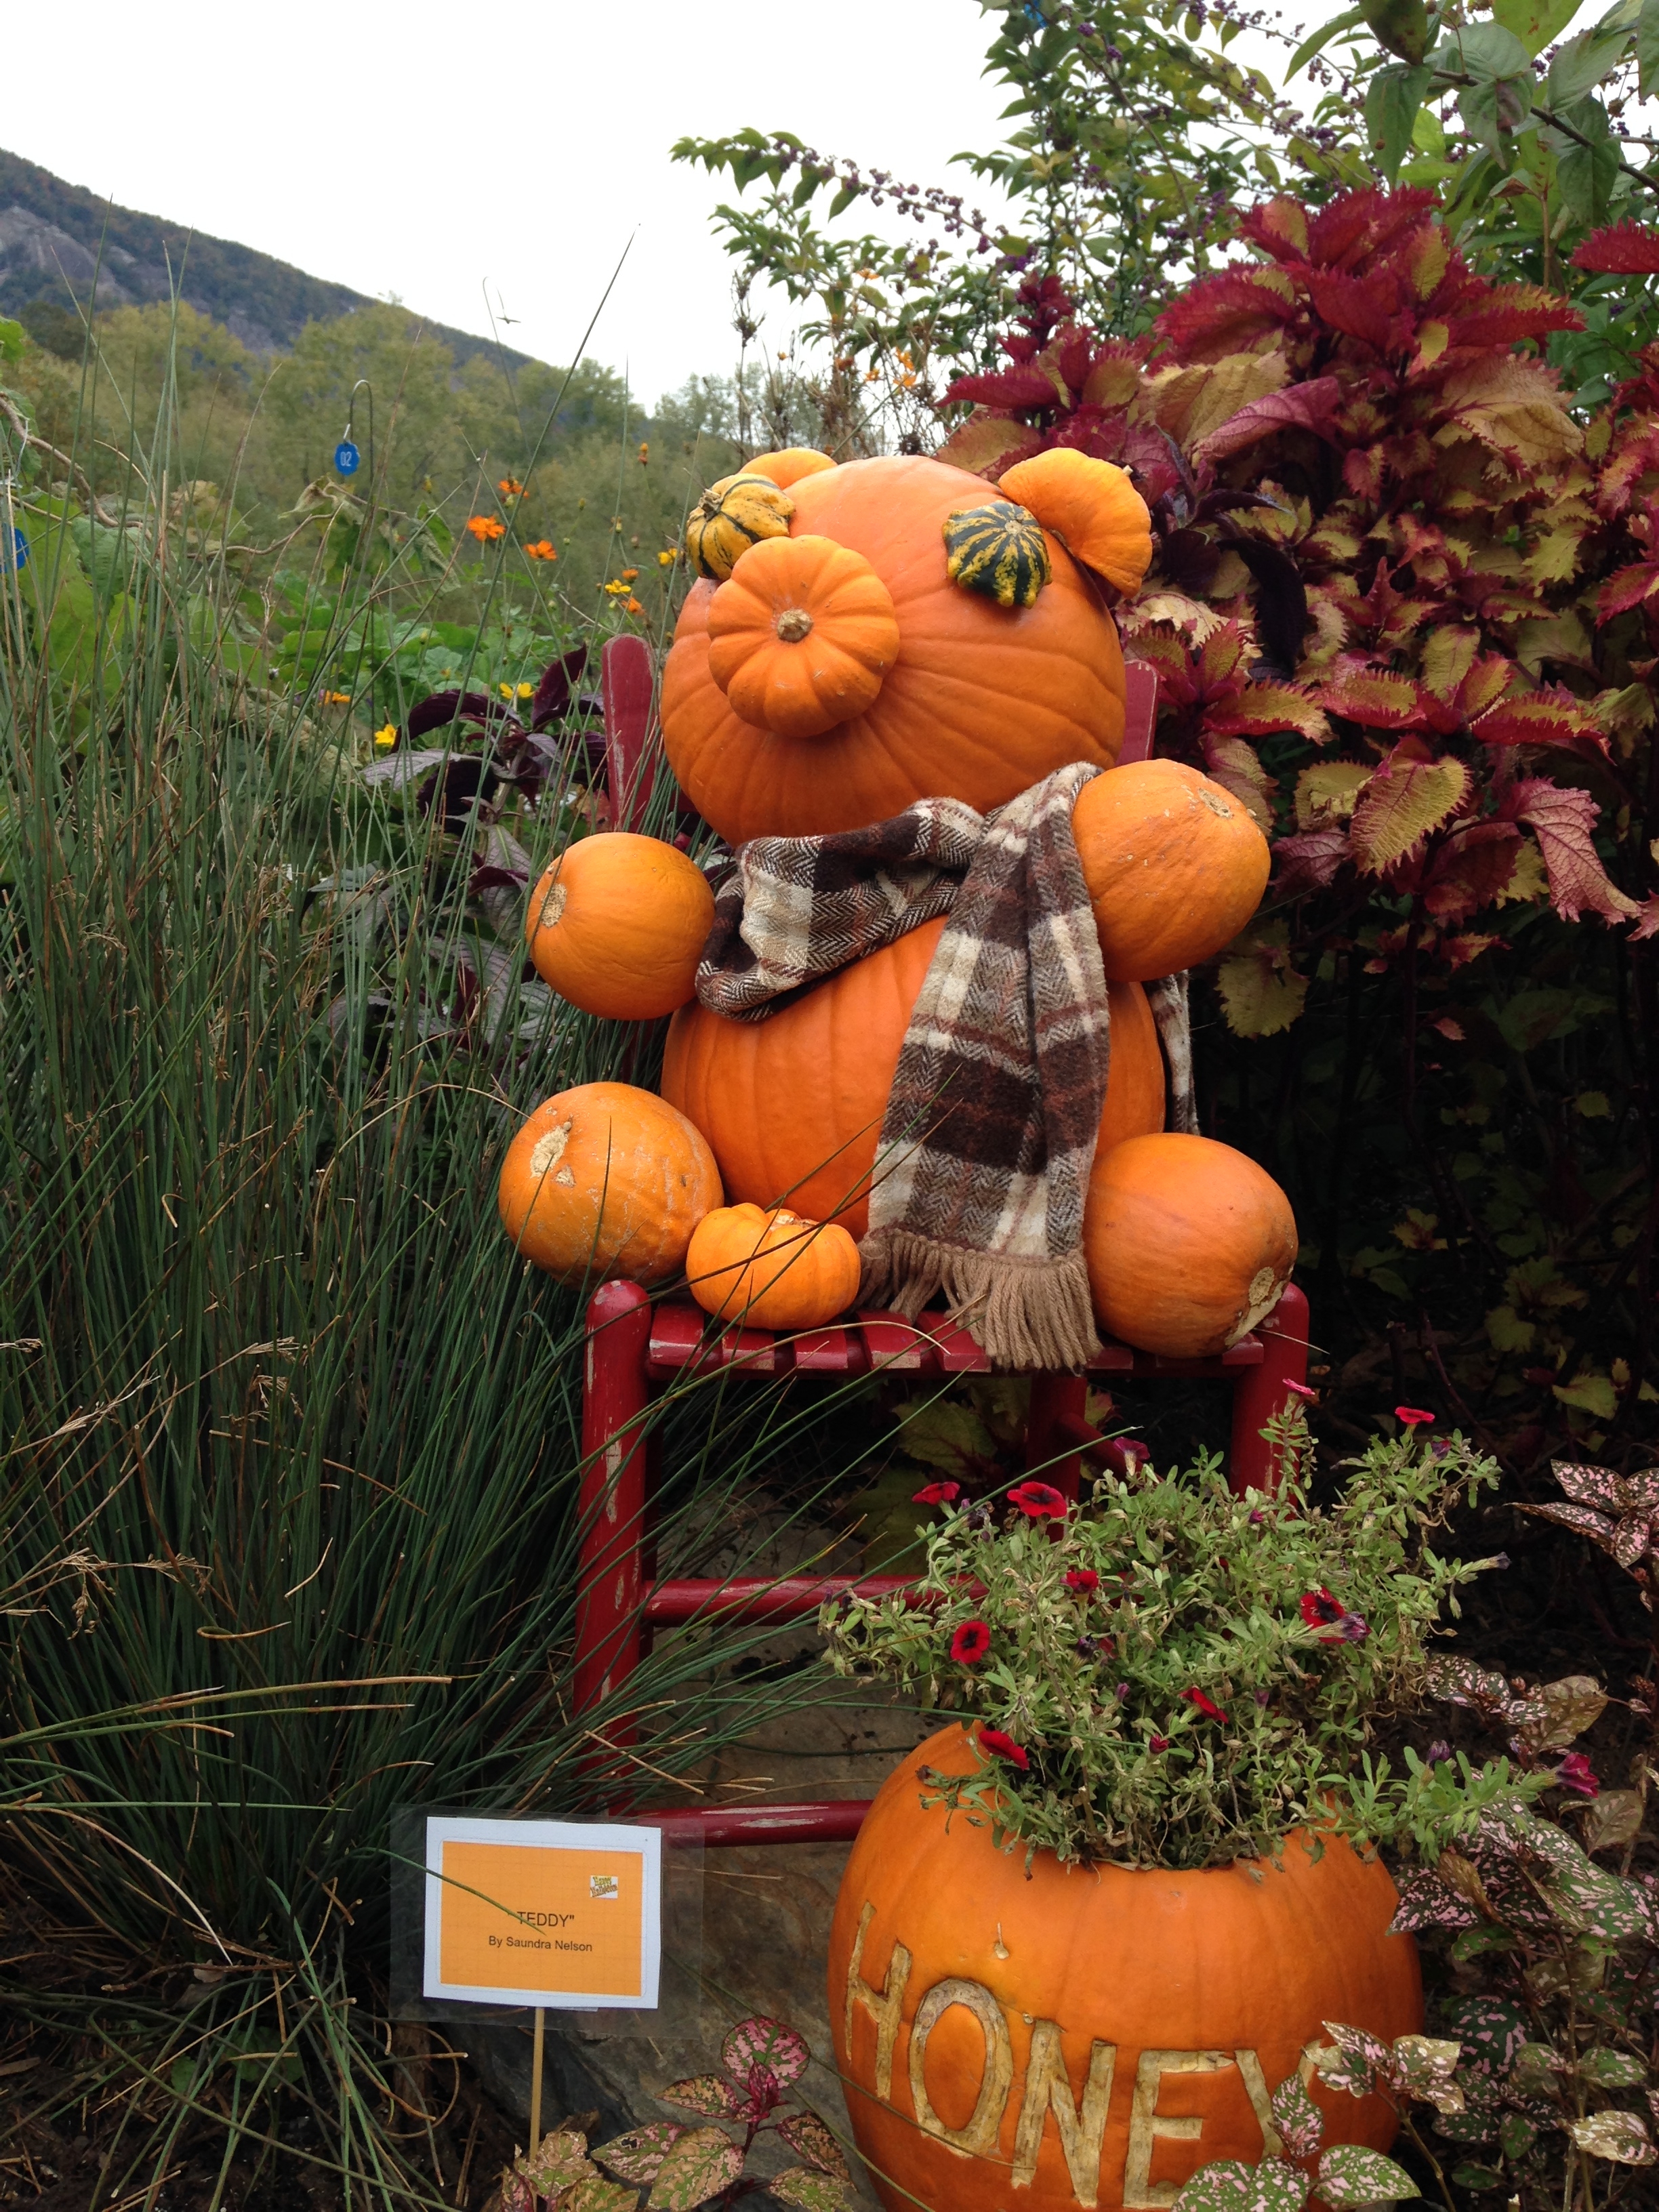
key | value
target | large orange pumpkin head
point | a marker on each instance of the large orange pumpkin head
(978, 701)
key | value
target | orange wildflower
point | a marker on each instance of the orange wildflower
(543, 550)
(484, 528)
(510, 488)
(629, 574)
(337, 698)
(633, 608)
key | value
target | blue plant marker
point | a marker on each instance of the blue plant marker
(346, 458)
(19, 551)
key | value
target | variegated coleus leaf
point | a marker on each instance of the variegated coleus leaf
(1424, 2066)
(1229, 2185)
(1426, 1901)
(1553, 1716)
(1490, 2031)
(1351, 2174)
(812, 2189)
(1359, 2059)
(1461, 1682)
(806, 2133)
(1588, 1485)
(703, 2162)
(768, 2043)
(1300, 2123)
(1620, 2136)
(638, 2155)
(558, 2160)
(596, 2194)
(710, 2093)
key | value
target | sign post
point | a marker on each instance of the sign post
(555, 1915)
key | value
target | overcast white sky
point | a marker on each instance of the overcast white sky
(429, 151)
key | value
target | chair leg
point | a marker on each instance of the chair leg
(1260, 1392)
(612, 1500)
(1055, 1397)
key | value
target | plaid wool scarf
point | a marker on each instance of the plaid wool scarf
(989, 1131)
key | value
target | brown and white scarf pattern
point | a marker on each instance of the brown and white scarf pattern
(988, 1137)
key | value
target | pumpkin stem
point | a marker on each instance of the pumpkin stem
(794, 625)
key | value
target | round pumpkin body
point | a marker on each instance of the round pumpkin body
(618, 924)
(771, 1270)
(1175, 867)
(793, 1105)
(980, 701)
(1189, 1243)
(606, 1180)
(1089, 2036)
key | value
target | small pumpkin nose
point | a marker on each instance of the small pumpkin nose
(801, 635)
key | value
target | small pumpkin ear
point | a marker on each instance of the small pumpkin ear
(1092, 509)
(801, 635)
(788, 466)
(997, 550)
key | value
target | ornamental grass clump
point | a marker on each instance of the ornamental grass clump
(1168, 1674)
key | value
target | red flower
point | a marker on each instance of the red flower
(1575, 1774)
(1204, 1705)
(1082, 1578)
(1004, 1746)
(1038, 1501)
(1413, 1416)
(937, 1493)
(971, 1643)
(1158, 1742)
(1320, 1609)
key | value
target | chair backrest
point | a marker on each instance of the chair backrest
(1140, 711)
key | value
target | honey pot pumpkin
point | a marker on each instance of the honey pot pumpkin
(978, 701)
(1072, 2037)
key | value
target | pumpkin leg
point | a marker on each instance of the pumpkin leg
(611, 1510)
(1261, 1392)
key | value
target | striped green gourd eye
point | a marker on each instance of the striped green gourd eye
(999, 549)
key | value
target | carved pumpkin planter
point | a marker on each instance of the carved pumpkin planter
(1089, 2036)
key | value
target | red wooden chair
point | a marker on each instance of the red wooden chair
(633, 1344)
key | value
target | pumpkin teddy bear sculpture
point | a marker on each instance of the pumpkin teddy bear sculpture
(893, 642)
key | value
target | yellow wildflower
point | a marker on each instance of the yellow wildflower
(665, 560)
(387, 738)
(337, 698)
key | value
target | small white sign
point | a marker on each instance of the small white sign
(513, 1913)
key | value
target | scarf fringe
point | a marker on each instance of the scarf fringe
(1026, 1314)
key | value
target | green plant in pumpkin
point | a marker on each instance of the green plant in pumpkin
(1171, 1675)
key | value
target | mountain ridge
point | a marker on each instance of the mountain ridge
(57, 240)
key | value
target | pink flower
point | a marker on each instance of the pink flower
(1157, 1743)
(1004, 1746)
(1413, 1416)
(1301, 1391)
(1204, 1705)
(1575, 1774)
(1083, 1579)
(937, 1493)
(1038, 1501)
(971, 1643)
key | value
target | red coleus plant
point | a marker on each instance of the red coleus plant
(1403, 604)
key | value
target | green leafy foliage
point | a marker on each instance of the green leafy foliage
(1173, 1675)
